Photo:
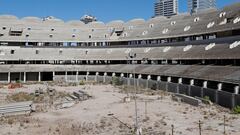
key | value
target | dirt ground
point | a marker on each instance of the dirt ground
(107, 114)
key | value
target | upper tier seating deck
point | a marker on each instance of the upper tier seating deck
(55, 30)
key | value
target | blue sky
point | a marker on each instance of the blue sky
(104, 10)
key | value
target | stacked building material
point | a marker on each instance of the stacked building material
(19, 108)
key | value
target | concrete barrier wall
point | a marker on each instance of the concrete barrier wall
(124, 80)
(237, 100)
(108, 79)
(91, 77)
(225, 99)
(81, 77)
(172, 87)
(211, 93)
(59, 78)
(222, 98)
(183, 89)
(71, 78)
(100, 79)
(142, 83)
(195, 91)
(152, 84)
(162, 85)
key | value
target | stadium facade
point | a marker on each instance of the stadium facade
(198, 5)
(166, 8)
(196, 55)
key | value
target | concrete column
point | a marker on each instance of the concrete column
(113, 74)
(122, 75)
(130, 76)
(24, 77)
(9, 77)
(189, 87)
(104, 77)
(39, 76)
(169, 79)
(77, 76)
(139, 77)
(87, 76)
(66, 76)
(205, 84)
(159, 78)
(236, 89)
(148, 77)
(53, 75)
(96, 76)
(219, 86)
(192, 82)
(180, 80)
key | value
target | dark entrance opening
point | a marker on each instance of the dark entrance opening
(46, 76)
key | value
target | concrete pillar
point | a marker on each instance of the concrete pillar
(205, 84)
(130, 76)
(219, 86)
(148, 77)
(189, 87)
(192, 82)
(104, 77)
(159, 78)
(9, 77)
(96, 75)
(87, 76)
(180, 80)
(122, 75)
(77, 73)
(236, 89)
(139, 77)
(66, 76)
(169, 79)
(53, 75)
(113, 74)
(24, 77)
(39, 76)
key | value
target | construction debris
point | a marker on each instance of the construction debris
(19, 108)
(187, 99)
(14, 85)
(81, 95)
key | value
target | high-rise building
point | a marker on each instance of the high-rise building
(197, 5)
(166, 8)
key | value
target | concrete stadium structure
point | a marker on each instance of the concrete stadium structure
(196, 55)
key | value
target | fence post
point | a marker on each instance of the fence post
(224, 124)
(172, 129)
(200, 127)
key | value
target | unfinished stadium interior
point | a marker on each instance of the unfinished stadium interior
(197, 55)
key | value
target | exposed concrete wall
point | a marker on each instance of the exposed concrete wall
(211, 93)
(195, 91)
